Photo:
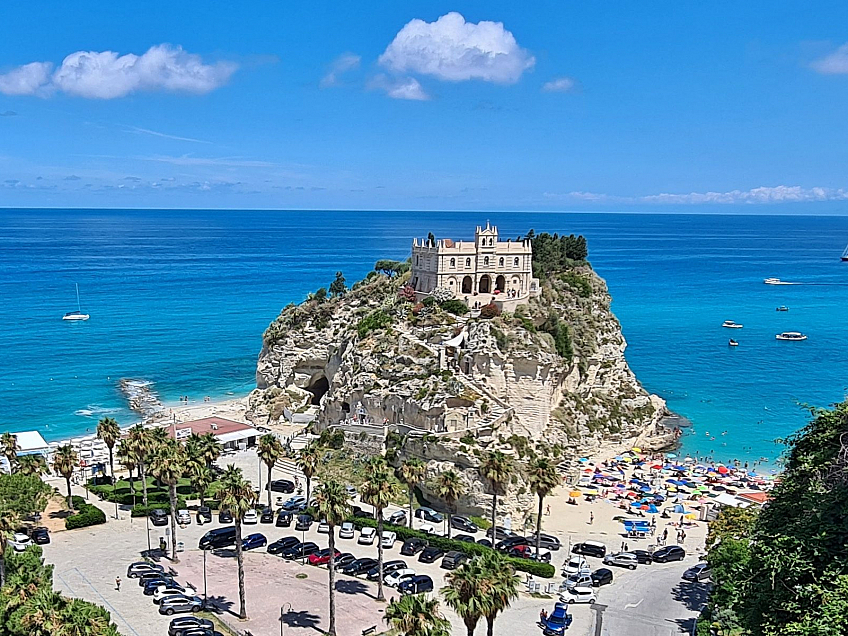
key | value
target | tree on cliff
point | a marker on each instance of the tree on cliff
(449, 488)
(270, 450)
(378, 492)
(543, 477)
(109, 431)
(333, 507)
(497, 469)
(338, 287)
(388, 267)
(412, 473)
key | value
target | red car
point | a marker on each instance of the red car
(322, 557)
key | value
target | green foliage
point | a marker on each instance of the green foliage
(320, 295)
(332, 438)
(23, 494)
(456, 307)
(490, 311)
(140, 510)
(375, 320)
(86, 515)
(578, 283)
(389, 267)
(407, 293)
(556, 253)
(338, 287)
(481, 522)
(429, 301)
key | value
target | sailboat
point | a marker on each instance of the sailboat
(76, 315)
(845, 254)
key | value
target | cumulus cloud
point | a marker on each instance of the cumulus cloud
(835, 63)
(341, 65)
(761, 195)
(107, 75)
(454, 50)
(400, 88)
(558, 85)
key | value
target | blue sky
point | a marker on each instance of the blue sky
(661, 106)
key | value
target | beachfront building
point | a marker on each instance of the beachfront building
(479, 271)
(231, 435)
(29, 443)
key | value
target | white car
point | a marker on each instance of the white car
(323, 527)
(20, 542)
(183, 517)
(388, 539)
(161, 593)
(576, 565)
(393, 579)
(367, 535)
(250, 517)
(347, 530)
(428, 528)
(578, 595)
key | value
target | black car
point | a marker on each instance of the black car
(151, 585)
(300, 550)
(284, 519)
(204, 514)
(548, 541)
(601, 576)
(152, 575)
(467, 538)
(484, 542)
(453, 560)
(500, 533)
(360, 566)
(303, 522)
(643, 557)
(343, 560)
(280, 545)
(669, 553)
(463, 523)
(428, 514)
(267, 516)
(281, 485)
(135, 570)
(40, 536)
(218, 538)
(416, 585)
(225, 516)
(430, 554)
(388, 566)
(413, 546)
(158, 517)
(359, 513)
(510, 542)
(179, 625)
(590, 548)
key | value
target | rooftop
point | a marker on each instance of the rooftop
(216, 425)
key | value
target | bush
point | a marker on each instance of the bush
(416, 309)
(442, 294)
(542, 570)
(456, 307)
(490, 311)
(578, 283)
(140, 510)
(407, 293)
(373, 321)
(428, 301)
(86, 515)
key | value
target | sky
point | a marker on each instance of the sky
(662, 106)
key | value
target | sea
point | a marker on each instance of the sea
(180, 298)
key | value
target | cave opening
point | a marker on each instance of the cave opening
(318, 388)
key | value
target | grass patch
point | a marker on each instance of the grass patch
(481, 522)
(301, 576)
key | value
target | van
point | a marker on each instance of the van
(218, 538)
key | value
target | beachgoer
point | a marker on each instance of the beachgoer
(543, 615)
(591, 517)
(548, 510)
(118, 583)
(665, 534)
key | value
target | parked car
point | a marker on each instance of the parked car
(557, 621)
(463, 523)
(322, 557)
(669, 553)
(430, 554)
(548, 541)
(387, 539)
(218, 538)
(417, 584)
(20, 541)
(281, 485)
(158, 517)
(393, 579)
(465, 538)
(40, 536)
(304, 522)
(162, 581)
(590, 548)
(622, 559)
(484, 542)
(284, 519)
(167, 592)
(204, 515)
(267, 515)
(295, 504)
(527, 552)
(413, 546)
(299, 550)
(700, 572)
(351, 491)
(505, 545)
(578, 595)
(225, 516)
(323, 527)
(601, 576)
(183, 517)
(180, 605)
(428, 528)
(359, 566)
(453, 560)
(388, 566)
(171, 584)
(576, 565)
(581, 579)
(250, 517)
(500, 533)
(359, 513)
(343, 559)
(253, 541)
(397, 518)
(367, 535)
(281, 545)
(180, 624)
(347, 530)
(428, 514)
(134, 570)
(643, 556)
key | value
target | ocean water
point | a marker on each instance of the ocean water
(180, 298)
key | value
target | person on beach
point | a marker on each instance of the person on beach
(591, 517)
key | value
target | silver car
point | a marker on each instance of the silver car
(622, 559)
(347, 530)
(700, 572)
(180, 605)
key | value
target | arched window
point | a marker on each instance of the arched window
(453, 263)
(501, 262)
(515, 262)
(468, 262)
(486, 261)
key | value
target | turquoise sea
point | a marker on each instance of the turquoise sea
(181, 298)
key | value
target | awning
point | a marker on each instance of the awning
(236, 436)
(729, 500)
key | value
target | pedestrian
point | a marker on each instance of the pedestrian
(548, 510)
(543, 615)
(118, 583)
(591, 517)
(682, 536)
(625, 548)
(665, 534)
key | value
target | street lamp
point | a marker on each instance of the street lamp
(285, 608)
(204, 577)
(147, 519)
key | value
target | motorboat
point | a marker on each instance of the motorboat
(776, 281)
(731, 325)
(733, 343)
(78, 314)
(791, 335)
(782, 308)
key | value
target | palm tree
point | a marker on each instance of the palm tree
(8, 523)
(378, 492)
(497, 469)
(127, 458)
(65, 461)
(9, 447)
(412, 472)
(269, 451)
(142, 444)
(34, 465)
(449, 488)
(201, 477)
(465, 593)
(333, 507)
(237, 496)
(502, 589)
(210, 448)
(543, 477)
(308, 464)
(42, 615)
(109, 431)
(168, 465)
(417, 615)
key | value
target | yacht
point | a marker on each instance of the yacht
(775, 281)
(76, 315)
(731, 325)
(782, 308)
(791, 335)
(733, 343)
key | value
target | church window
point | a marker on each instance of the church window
(486, 261)
(501, 262)
(468, 262)
(453, 263)
(515, 262)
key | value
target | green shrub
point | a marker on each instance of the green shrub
(428, 301)
(578, 283)
(140, 510)
(373, 321)
(490, 311)
(542, 570)
(86, 515)
(456, 307)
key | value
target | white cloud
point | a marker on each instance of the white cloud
(558, 85)
(399, 88)
(835, 63)
(107, 75)
(454, 50)
(341, 65)
(761, 195)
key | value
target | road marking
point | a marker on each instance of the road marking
(629, 605)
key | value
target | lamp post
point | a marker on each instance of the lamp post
(204, 577)
(147, 519)
(285, 608)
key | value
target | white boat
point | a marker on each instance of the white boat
(731, 325)
(845, 254)
(790, 335)
(76, 315)
(733, 343)
(782, 308)
(776, 281)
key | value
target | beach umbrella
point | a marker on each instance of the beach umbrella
(583, 459)
(671, 456)
(575, 493)
(689, 460)
(652, 509)
(723, 470)
(636, 450)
